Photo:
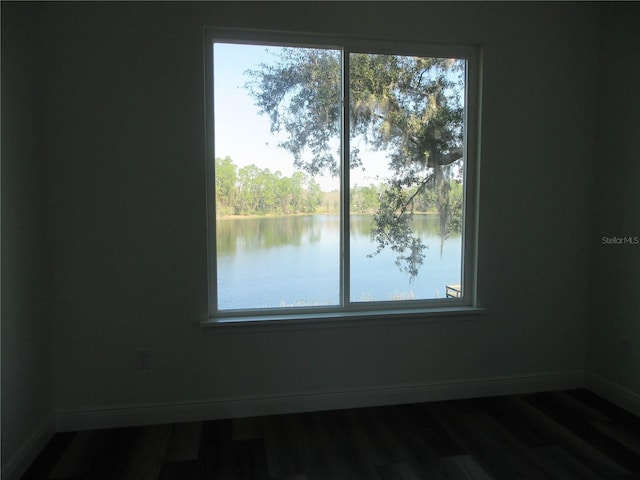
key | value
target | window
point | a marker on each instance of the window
(340, 176)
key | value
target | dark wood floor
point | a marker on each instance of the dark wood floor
(559, 435)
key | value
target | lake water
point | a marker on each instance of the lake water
(294, 261)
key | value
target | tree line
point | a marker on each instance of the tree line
(367, 200)
(251, 190)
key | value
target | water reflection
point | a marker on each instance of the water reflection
(251, 233)
(287, 261)
(235, 234)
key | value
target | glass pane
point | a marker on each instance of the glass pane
(406, 177)
(277, 205)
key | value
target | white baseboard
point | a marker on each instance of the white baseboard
(316, 401)
(613, 392)
(28, 451)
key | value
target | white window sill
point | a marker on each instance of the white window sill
(251, 324)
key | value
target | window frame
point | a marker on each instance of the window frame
(347, 309)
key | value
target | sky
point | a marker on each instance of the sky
(244, 135)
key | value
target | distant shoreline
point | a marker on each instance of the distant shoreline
(282, 215)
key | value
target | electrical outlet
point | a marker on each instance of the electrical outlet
(143, 359)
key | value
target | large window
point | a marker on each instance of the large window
(341, 175)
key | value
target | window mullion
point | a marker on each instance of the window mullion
(345, 260)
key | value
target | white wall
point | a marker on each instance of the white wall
(27, 404)
(614, 342)
(124, 139)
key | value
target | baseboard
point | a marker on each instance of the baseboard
(613, 392)
(317, 401)
(27, 453)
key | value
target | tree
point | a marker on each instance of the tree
(248, 194)
(251, 190)
(313, 197)
(297, 189)
(410, 107)
(364, 199)
(226, 179)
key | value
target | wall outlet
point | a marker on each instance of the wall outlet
(143, 359)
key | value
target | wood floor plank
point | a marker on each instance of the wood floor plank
(388, 472)
(510, 420)
(284, 446)
(559, 460)
(184, 443)
(148, 453)
(367, 426)
(306, 456)
(607, 408)
(578, 447)
(73, 461)
(332, 448)
(215, 449)
(249, 460)
(623, 434)
(580, 409)
(392, 437)
(501, 454)
(246, 428)
(49, 456)
(80, 457)
(95, 454)
(353, 457)
(436, 437)
(277, 449)
(181, 470)
(465, 468)
(572, 421)
(416, 453)
(372, 450)
(116, 456)
(301, 455)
